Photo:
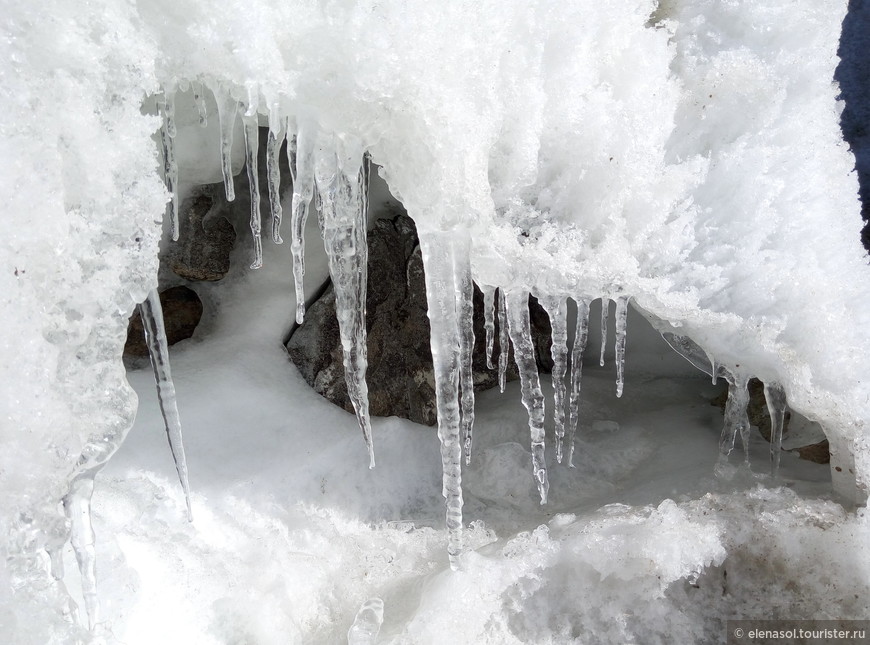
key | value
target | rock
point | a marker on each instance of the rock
(817, 452)
(205, 239)
(400, 374)
(182, 310)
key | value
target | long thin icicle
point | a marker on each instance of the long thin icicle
(252, 149)
(465, 311)
(228, 107)
(342, 180)
(303, 186)
(170, 166)
(437, 250)
(273, 172)
(503, 340)
(605, 310)
(774, 394)
(581, 335)
(557, 310)
(77, 506)
(489, 321)
(158, 349)
(519, 327)
(621, 321)
(367, 623)
(736, 416)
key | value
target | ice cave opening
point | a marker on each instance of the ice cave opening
(682, 159)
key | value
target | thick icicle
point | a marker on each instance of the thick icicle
(437, 250)
(503, 340)
(158, 349)
(273, 172)
(367, 623)
(169, 113)
(170, 166)
(605, 309)
(621, 320)
(581, 335)
(465, 311)
(228, 107)
(489, 321)
(557, 310)
(519, 327)
(77, 506)
(774, 394)
(303, 185)
(342, 180)
(199, 99)
(252, 148)
(736, 416)
(291, 150)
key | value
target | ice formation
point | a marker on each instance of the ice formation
(158, 351)
(475, 133)
(367, 624)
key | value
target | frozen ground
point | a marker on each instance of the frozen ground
(293, 532)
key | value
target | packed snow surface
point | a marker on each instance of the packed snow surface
(684, 154)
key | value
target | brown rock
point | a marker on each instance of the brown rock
(205, 239)
(182, 310)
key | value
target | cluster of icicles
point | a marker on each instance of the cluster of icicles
(334, 171)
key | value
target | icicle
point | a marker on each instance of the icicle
(519, 327)
(227, 109)
(170, 167)
(774, 394)
(437, 250)
(465, 311)
(621, 319)
(303, 185)
(736, 416)
(77, 506)
(273, 171)
(503, 340)
(343, 185)
(489, 321)
(291, 151)
(557, 310)
(252, 148)
(169, 114)
(581, 335)
(158, 349)
(714, 376)
(605, 309)
(199, 99)
(367, 623)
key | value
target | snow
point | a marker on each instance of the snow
(293, 533)
(685, 154)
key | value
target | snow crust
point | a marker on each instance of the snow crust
(685, 154)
